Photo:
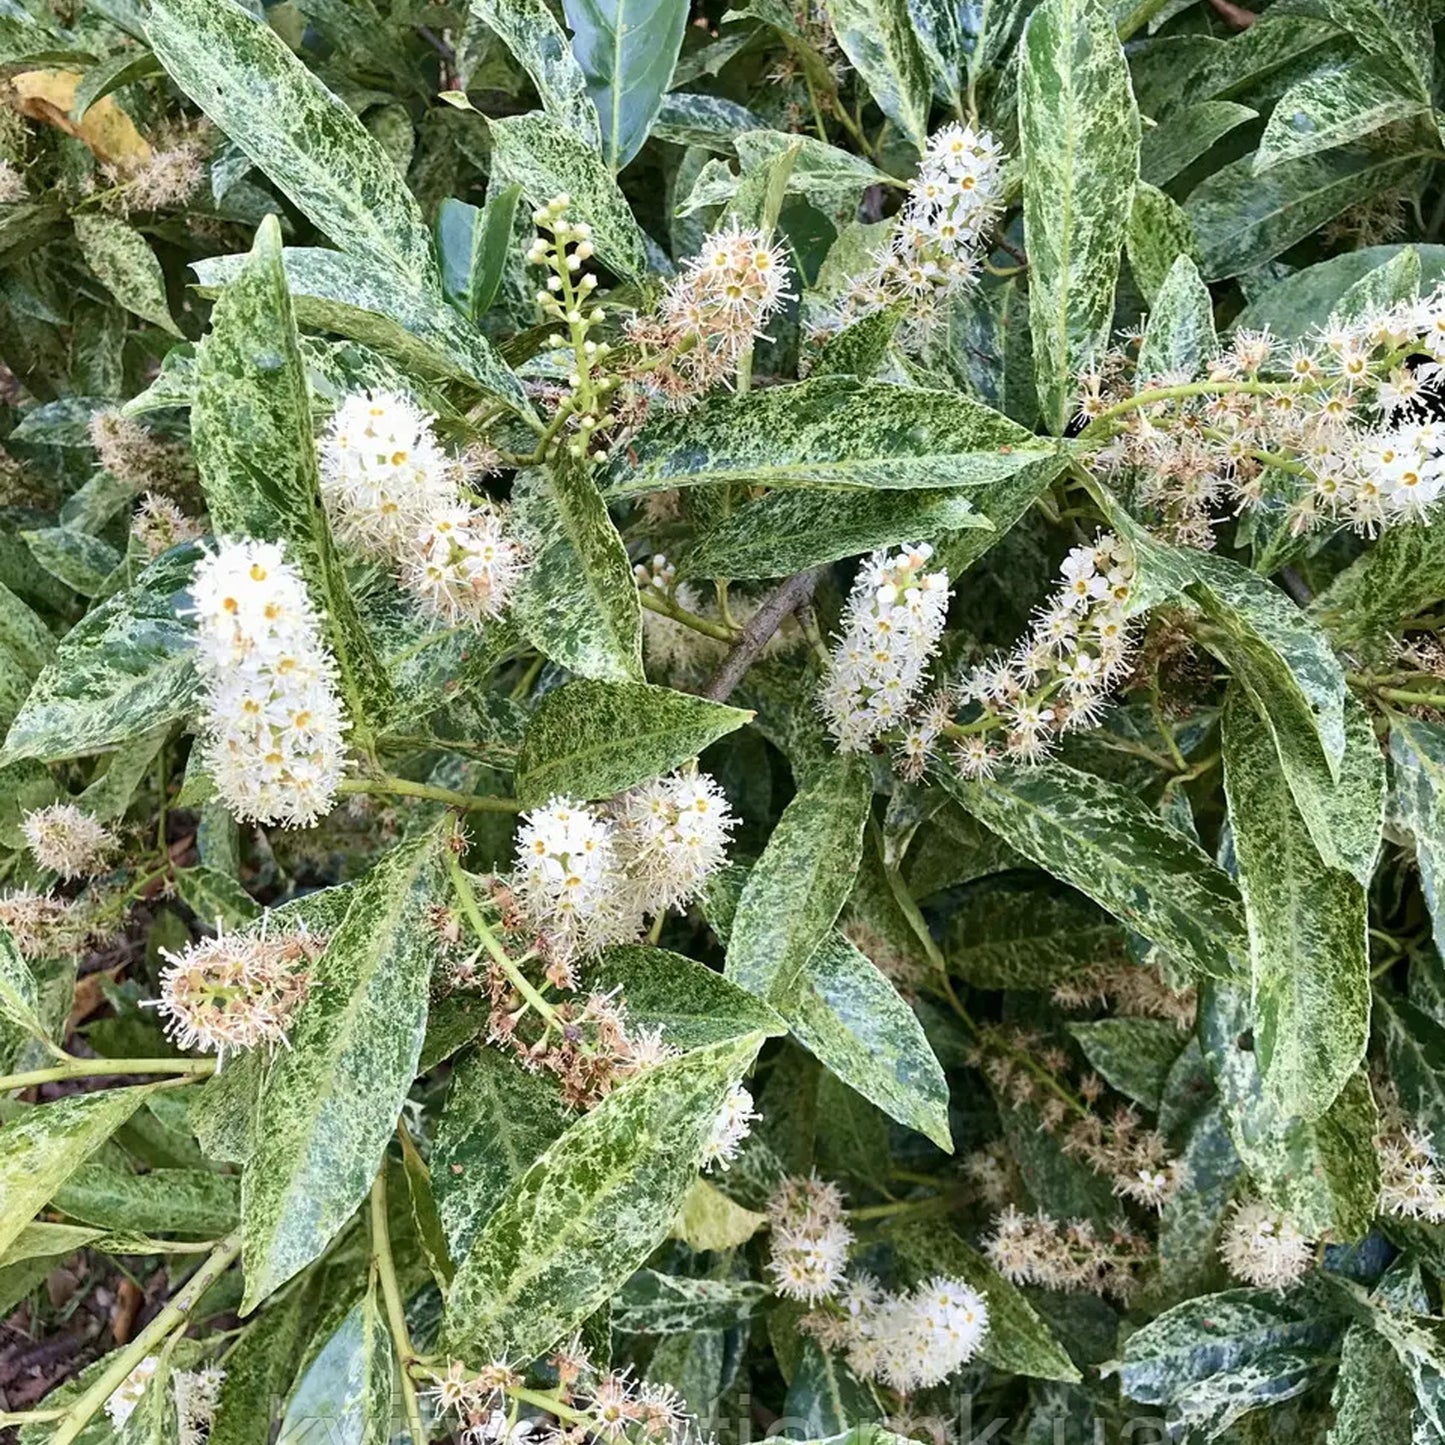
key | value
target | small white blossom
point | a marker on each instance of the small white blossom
(1412, 1185)
(66, 840)
(463, 565)
(733, 1125)
(159, 524)
(671, 837)
(810, 1240)
(197, 1394)
(1264, 1247)
(922, 1337)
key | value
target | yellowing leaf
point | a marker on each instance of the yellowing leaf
(48, 95)
(710, 1220)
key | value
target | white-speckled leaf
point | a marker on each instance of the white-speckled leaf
(125, 265)
(1132, 1055)
(330, 1102)
(880, 39)
(1180, 335)
(1417, 750)
(1079, 133)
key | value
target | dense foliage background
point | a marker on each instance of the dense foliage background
(721, 721)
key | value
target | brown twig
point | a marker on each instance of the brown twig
(1235, 15)
(757, 630)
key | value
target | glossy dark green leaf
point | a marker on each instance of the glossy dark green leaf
(663, 1304)
(541, 48)
(825, 1397)
(1132, 1055)
(215, 898)
(1417, 750)
(474, 244)
(1157, 236)
(191, 1203)
(82, 562)
(1184, 135)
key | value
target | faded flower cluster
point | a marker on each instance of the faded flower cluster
(67, 840)
(1264, 1247)
(1070, 1255)
(272, 724)
(892, 626)
(393, 493)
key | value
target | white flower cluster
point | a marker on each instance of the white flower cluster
(394, 494)
(1056, 679)
(1412, 1184)
(1264, 1247)
(931, 253)
(273, 726)
(711, 314)
(67, 841)
(733, 1124)
(586, 877)
(892, 626)
(41, 924)
(197, 1393)
(236, 991)
(913, 1340)
(810, 1239)
(1382, 476)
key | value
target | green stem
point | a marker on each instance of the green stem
(499, 955)
(173, 1318)
(1188, 389)
(654, 601)
(1412, 699)
(405, 788)
(101, 1068)
(395, 1311)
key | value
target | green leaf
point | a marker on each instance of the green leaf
(1134, 1056)
(332, 291)
(1018, 1338)
(546, 160)
(627, 50)
(1415, 1051)
(540, 46)
(664, 1304)
(785, 532)
(693, 1006)
(879, 38)
(331, 1100)
(1180, 337)
(852, 1019)
(192, 1203)
(1242, 219)
(1397, 280)
(710, 122)
(1079, 134)
(1372, 1398)
(1114, 848)
(261, 1367)
(252, 434)
(474, 246)
(1323, 1172)
(124, 669)
(798, 886)
(824, 1396)
(84, 563)
(305, 139)
(45, 1144)
(125, 265)
(832, 432)
(591, 1208)
(708, 1219)
(1310, 964)
(1401, 574)
(19, 993)
(1397, 32)
(1331, 107)
(1184, 135)
(577, 598)
(593, 739)
(1158, 235)
(216, 898)
(498, 1118)
(1417, 750)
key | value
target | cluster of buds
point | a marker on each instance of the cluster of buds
(1057, 678)
(932, 251)
(1264, 1247)
(1331, 429)
(1024, 1069)
(606, 1405)
(237, 991)
(1066, 1255)
(910, 1340)
(13, 188)
(810, 1240)
(588, 876)
(42, 925)
(66, 840)
(892, 626)
(1412, 1181)
(131, 454)
(711, 314)
(159, 524)
(1131, 990)
(562, 249)
(393, 493)
(273, 725)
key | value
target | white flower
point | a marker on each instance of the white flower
(1412, 1185)
(733, 1125)
(159, 525)
(1264, 1247)
(272, 727)
(671, 836)
(922, 1337)
(893, 623)
(66, 840)
(127, 1395)
(197, 1393)
(810, 1240)
(463, 565)
(41, 924)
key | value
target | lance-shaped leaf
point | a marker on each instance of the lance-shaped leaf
(330, 1103)
(663, 1304)
(19, 993)
(125, 668)
(577, 598)
(125, 265)
(1180, 334)
(1079, 132)
(474, 248)
(192, 1203)
(1184, 135)
(591, 1209)
(880, 38)
(1372, 1397)
(546, 159)
(593, 739)
(1309, 957)
(627, 49)
(1418, 751)
(832, 432)
(41, 1147)
(1158, 234)
(825, 1397)
(252, 432)
(309, 142)
(1414, 1045)
(539, 45)
(1110, 845)
(798, 886)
